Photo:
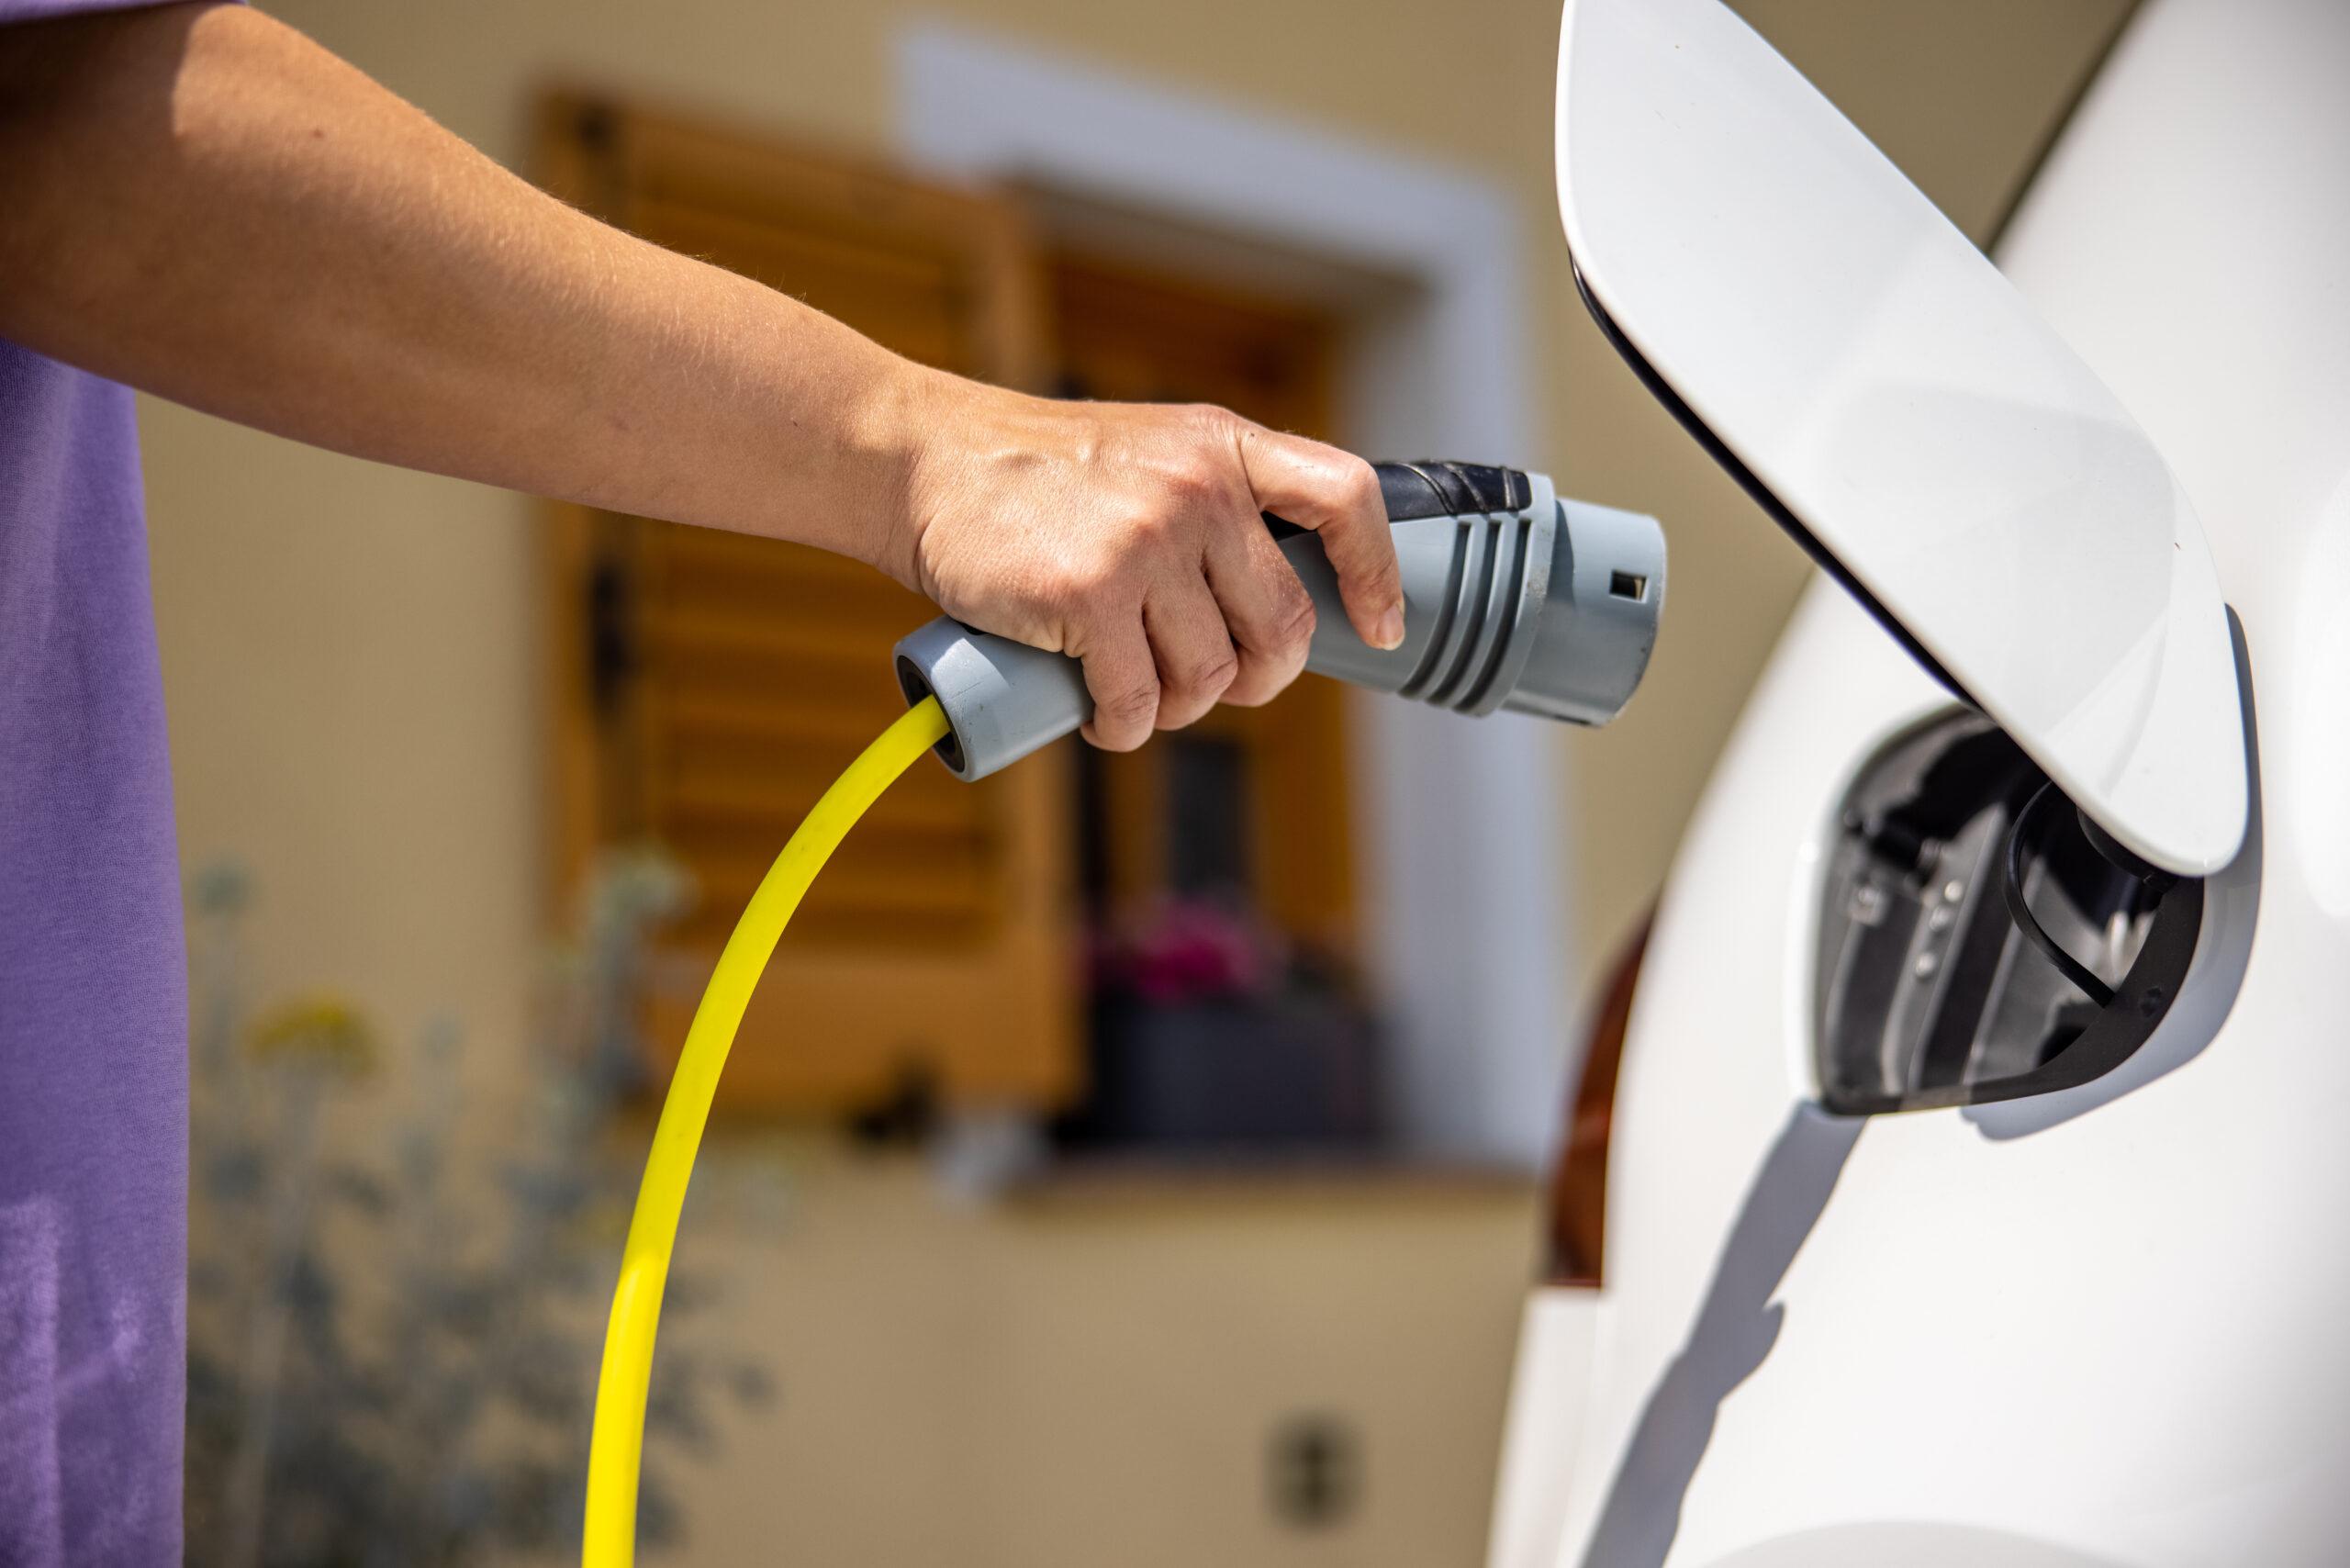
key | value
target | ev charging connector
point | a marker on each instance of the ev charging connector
(1513, 600)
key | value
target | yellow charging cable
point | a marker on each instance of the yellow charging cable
(618, 1445)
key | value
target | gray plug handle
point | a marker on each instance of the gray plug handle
(1513, 598)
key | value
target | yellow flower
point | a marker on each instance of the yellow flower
(323, 1028)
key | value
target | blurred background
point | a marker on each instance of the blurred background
(1134, 1157)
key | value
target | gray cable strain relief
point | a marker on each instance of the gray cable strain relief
(1002, 699)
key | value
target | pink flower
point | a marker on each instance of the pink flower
(1187, 950)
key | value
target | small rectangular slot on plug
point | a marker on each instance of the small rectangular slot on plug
(1627, 585)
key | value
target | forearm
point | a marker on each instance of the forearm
(200, 202)
(203, 203)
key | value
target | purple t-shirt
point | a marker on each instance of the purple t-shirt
(92, 994)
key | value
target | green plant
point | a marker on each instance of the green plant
(392, 1359)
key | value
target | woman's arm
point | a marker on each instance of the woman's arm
(197, 201)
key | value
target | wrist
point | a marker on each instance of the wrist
(909, 414)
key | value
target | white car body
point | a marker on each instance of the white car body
(2105, 1325)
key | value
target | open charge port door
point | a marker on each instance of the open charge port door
(1927, 992)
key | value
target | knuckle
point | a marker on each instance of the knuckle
(1208, 674)
(1262, 678)
(1211, 421)
(1153, 527)
(1208, 454)
(1194, 480)
(1086, 587)
(1293, 621)
(1064, 600)
(1257, 692)
(1128, 706)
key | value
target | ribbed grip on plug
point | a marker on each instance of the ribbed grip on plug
(1512, 600)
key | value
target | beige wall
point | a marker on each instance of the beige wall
(1094, 1376)
(349, 660)
(389, 813)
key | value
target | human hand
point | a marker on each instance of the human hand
(1129, 536)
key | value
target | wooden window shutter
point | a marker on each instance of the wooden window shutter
(708, 686)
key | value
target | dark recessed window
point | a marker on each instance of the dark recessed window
(1207, 825)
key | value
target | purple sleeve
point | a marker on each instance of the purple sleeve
(92, 988)
(41, 10)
